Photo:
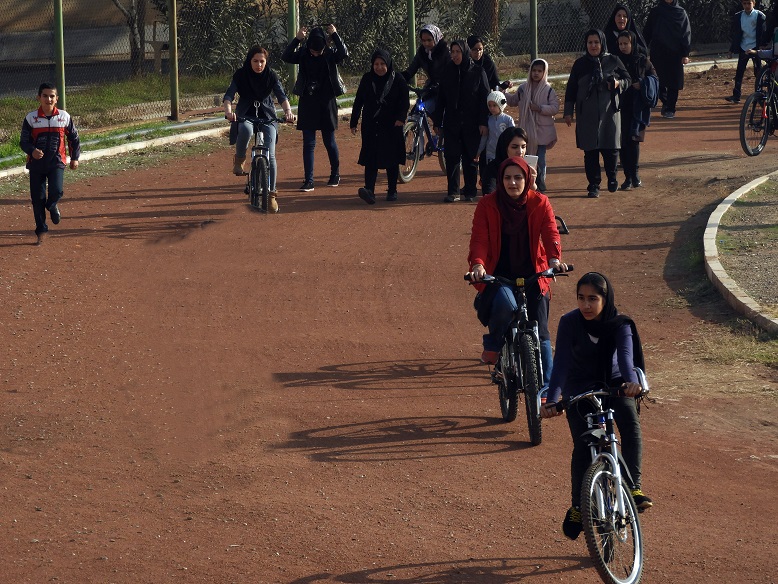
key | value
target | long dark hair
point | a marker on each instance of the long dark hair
(501, 152)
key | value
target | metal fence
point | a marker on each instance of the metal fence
(102, 45)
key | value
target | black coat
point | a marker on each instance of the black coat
(490, 69)
(461, 107)
(382, 141)
(317, 110)
(669, 36)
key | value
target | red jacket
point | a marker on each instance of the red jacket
(486, 237)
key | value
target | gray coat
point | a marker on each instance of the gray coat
(598, 123)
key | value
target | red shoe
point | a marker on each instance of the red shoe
(490, 357)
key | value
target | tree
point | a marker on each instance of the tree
(135, 13)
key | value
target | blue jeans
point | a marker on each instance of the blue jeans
(55, 179)
(245, 132)
(504, 307)
(309, 145)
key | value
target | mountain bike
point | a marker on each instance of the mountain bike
(759, 117)
(519, 369)
(416, 133)
(610, 517)
(258, 179)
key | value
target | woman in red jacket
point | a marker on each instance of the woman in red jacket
(514, 235)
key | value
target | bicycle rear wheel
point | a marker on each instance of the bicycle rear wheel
(508, 382)
(531, 379)
(412, 151)
(754, 123)
(259, 183)
(615, 541)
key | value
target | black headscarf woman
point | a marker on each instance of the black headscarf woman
(381, 83)
(605, 326)
(612, 31)
(252, 85)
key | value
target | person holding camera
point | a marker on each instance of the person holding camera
(594, 87)
(318, 85)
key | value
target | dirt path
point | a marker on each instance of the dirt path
(196, 393)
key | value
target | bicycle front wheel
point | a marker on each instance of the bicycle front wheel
(508, 383)
(754, 123)
(614, 540)
(259, 183)
(531, 379)
(764, 79)
(412, 151)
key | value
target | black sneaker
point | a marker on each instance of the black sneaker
(366, 195)
(573, 523)
(613, 185)
(732, 99)
(334, 180)
(626, 185)
(307, 186)
(450, 198)
(642, 502)
(55, 214)
(593, 193)
(636, 182)
(391, 196)
(471, 198)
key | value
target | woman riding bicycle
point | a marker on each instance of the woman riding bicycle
(432, 57)
(595, 343)
(514, 235)
(256, 82)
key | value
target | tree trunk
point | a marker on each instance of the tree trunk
(487, 13)
(136, 21)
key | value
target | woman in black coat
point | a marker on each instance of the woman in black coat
(382, 101)
(463, 113)
(638, 66)
(593, 92)
(620, 20)
(669, 36)
(318, 85)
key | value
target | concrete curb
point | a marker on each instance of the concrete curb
(732, 293)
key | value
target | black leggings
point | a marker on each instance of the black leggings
(371, 176)
(628, 422)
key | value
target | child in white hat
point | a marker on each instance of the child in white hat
(498, 122)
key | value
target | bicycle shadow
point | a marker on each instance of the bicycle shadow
(470, 571)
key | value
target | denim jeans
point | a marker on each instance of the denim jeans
(504, 307)
(541, 167)
(245, 132)
(309, 145)
(38, 187)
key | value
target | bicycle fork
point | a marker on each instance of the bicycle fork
(609, 511)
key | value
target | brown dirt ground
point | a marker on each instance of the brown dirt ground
(193, 392)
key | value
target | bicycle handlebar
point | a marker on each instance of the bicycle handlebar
(262, 121)
(602, 390)
(548, 273)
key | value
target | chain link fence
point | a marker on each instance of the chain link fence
(124, 43)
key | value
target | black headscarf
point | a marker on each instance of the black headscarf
(472, 40)
(466, 59)
(596, 61)
(251, 85)
(610, 29)
(628, 59)
(605, 327)
(673, 11)
(381, 83)
(510, 208)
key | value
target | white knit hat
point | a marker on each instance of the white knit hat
(497, 97)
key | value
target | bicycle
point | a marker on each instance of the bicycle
(759, 117)
(610, 516)
(258, 178)
(519, 369)
(416, 130)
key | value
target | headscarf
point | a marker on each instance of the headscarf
(596, 75)
(611, 30)
(316, 39)
(605, 328)
(252, 85)
(381, 83)
(437, 36)
(673, 11)
(535, 93)
(466, 60)
(510, 208)
(629, 60)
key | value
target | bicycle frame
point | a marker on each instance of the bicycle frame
(420, 116)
